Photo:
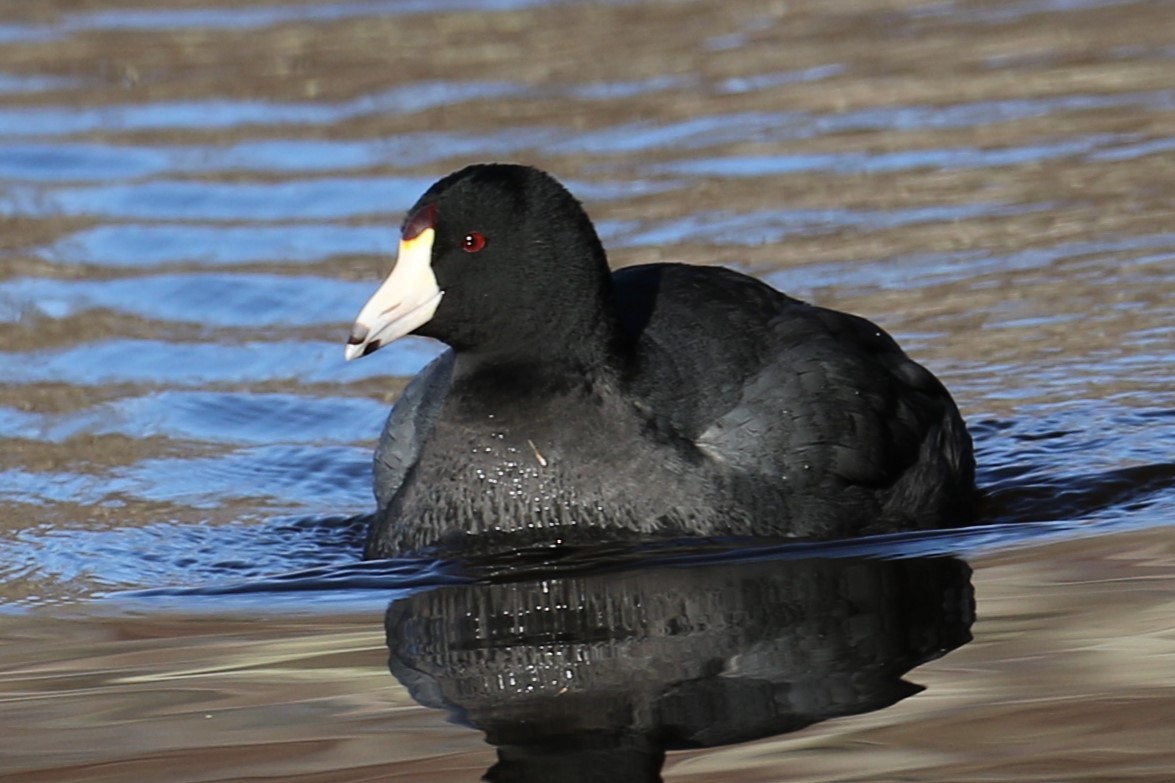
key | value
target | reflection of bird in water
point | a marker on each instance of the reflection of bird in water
(594, 677)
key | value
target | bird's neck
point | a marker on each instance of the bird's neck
(515, 379)
(586, 347)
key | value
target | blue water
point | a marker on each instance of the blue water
(180, 264)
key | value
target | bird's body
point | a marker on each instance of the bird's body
(665, 400)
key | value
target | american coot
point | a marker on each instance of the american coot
(578, 405)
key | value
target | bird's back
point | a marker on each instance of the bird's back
(821, 403)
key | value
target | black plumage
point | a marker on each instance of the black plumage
(665, 400)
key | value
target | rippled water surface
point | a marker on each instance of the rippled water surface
(197, 197)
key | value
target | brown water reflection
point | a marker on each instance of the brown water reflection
(1068, 678)
(195, 198)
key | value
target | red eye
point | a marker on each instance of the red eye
(473, 242)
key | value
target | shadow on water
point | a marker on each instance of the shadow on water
(1042, 471)
(587, 677)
